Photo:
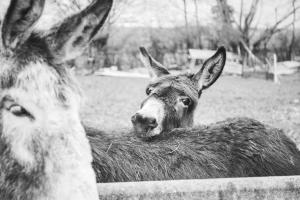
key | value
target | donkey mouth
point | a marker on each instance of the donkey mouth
(149, 131)
(146, 132)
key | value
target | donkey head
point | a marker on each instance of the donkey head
(44, 152)
(172, 99)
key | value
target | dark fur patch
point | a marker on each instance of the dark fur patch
(239, 147)
(17, 182)
(171, 119)
(78, 41)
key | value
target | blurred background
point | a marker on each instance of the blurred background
(261, 78)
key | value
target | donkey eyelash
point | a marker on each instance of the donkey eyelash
(19, 111)
(9, 104)
(149, 90)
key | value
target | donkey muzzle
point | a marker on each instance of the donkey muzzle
(143, 124)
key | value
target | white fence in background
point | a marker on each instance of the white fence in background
(232, 66)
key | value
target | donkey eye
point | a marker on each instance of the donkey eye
(19, 111)
(148, 91)
(186, 101)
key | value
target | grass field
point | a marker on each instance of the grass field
(110, 102)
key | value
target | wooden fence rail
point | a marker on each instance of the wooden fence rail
(257, 188)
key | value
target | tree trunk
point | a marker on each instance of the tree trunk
(187, 33)
(198, 32)
(291, 47)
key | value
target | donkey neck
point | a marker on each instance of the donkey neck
(53, 176)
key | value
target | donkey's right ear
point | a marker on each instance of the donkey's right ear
(211, 69)
(155, 68)
(19, 20)
(69, 39)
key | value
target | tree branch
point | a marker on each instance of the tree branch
(250, 16)
(269, 32)
(248, 50)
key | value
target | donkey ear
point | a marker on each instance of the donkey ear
(211, 69)
(18, 21)
(155, 68)
(69, 39)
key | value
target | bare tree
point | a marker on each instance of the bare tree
(246, 27)
(270, 31)
(196, 13)
(225, 14)
(185, 15)
(198, 27)
(187, 31)
(291, 48)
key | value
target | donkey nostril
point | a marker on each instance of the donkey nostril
(133, 118)
(136, 118)
(146, 122)
(152, 122)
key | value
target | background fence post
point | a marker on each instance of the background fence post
(275, 78)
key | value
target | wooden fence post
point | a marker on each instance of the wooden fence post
(275, 73)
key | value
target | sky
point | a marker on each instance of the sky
(164, 13)
(170, 12)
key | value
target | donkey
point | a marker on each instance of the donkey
(239, 147)
(172, 99)
(44, 151)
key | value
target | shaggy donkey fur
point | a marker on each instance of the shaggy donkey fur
(44, 152)
(239, 147)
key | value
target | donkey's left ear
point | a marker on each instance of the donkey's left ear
(155, 68)
(19, 20)
(70, 38)
(211, 69)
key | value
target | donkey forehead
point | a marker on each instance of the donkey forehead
(33, 52)
(37, 79)
(167, 80)
(175, 85)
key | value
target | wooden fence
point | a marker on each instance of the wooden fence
(256, 188)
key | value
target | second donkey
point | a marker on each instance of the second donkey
(172, 99)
